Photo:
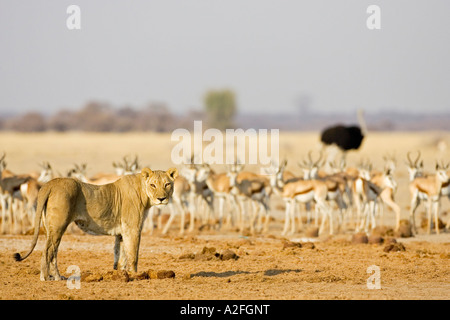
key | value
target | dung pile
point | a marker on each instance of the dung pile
(360, 237)
(404, 230)
(394, 247)
(294, 245)
(379, 235)
(161, 274)
(210, 253)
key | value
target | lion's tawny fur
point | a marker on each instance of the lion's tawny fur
(117, 209)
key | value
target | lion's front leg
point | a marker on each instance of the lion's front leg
(131, 251)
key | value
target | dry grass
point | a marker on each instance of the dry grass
(99, 150)
(25, 151)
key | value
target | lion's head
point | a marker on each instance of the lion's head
(158, 184)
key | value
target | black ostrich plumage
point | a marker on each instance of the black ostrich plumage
(345, 137)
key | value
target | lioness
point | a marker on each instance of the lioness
(117, 209)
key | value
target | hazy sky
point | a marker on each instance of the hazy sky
(271, 52)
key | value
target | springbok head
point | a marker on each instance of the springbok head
(441, 171)
(311, 167)
(415, 168)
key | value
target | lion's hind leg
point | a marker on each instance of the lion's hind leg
(119, 254)
(49, 268)
(55, 225)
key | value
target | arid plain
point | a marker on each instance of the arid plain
(265, 265)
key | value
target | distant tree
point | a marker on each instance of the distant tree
(62, 121)
(156, 117)
(96, 117)
(29, 122)
(125, 119)
(187, 120)
(220, 107)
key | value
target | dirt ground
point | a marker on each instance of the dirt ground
(262, 266)
(265, 267)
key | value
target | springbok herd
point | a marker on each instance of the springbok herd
(339, 197)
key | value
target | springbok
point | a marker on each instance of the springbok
(249, 186)
(9, 187)
(385, 181)
(336, 184)
(80, 172)
(219, 185)
(297, 190)
(126, 167)
(279, 177)
(433, 187)
(29, 190)
(416, 169)
(200, 195)
(305, 191)
(365, 196)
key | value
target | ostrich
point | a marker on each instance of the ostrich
(345, 138)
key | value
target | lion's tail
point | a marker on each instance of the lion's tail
(41, 206)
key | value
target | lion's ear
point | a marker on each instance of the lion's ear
(146, 172)
(173, 173)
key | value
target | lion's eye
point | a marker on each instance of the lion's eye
(153, 186)
(167, 185)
